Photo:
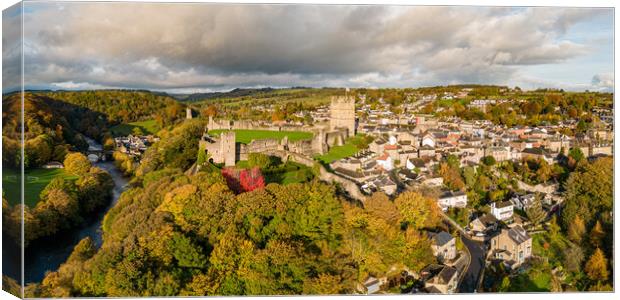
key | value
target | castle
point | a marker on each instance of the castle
(224, 149)
(342, 114)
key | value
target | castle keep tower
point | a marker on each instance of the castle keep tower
(342, 114)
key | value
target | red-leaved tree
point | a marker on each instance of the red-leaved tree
(244, 180)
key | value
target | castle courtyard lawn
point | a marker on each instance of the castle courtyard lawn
(147, 127)
(339, 152)
(245, 136)
(36, 181)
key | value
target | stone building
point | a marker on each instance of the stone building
(220, 150)
(513, 246)
(342, 114)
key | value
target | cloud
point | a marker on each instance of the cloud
(166, 46)
(603, 82)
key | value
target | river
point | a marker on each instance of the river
(49, 253)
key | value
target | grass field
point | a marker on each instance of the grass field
(246, 136)
(36, 181)
(348, 149)
(147, 127)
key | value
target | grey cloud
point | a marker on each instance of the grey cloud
(172, 46)
(603, 82)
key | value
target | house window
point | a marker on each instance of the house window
(528, 250)
(520, 255)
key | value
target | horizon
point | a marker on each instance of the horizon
(292, 88)
(203, 48)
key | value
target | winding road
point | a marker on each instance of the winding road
(470, 280)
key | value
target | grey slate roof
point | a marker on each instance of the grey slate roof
(518, 234)
(442, 238)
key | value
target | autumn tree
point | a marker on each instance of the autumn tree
(597, 234)
(576, 230)
(451, 176)
(544, 171)
(589, 192)
(77, 163)
(596, 267)
(417, 211)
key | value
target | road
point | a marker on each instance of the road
(470, 280)
(476, 250)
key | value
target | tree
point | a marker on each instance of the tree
(243, 180)
(554, 228)
(597, 234)
(260, 160)
(417, 211)
(573, 257)
(77, 163)
(535, 212)
(488, 160)
(211, 111)
(596, 267)
(544, 171)
(251, 179)
(589, 192)
(576, 230)
(203, 157)
(576, 154)
(137, 131)
(451, 176)
(505, 285)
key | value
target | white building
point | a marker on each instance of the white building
(502, 210)
(386, 162)
(522, 202)
(452, 199)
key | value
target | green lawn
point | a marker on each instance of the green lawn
(147, 127)
(36, 181)
(536, 279)
(338, 152)
(246, 136)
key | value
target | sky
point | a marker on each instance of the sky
(185, 48)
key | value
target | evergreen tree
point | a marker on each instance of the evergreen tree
(535, 212)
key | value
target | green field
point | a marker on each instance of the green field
(147, 127)
(349, 148)
(246, 136)
(36, 181)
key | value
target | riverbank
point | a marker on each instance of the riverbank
(48, 253)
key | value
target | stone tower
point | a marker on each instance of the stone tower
(188, 113)
(342, 114)
(228, 148)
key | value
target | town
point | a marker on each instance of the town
(419, 150)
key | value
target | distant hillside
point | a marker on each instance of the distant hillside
(51, 129)
(230, 94)
(121, 106)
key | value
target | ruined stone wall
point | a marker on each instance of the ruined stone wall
(302, 147)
